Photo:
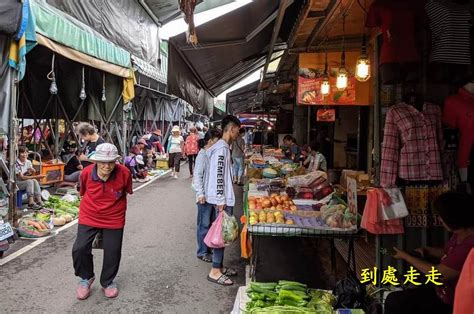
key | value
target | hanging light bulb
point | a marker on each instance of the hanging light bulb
(103, 88)
(342, 75)
(82, 94)
(363, 64)
(53, 89)
(325, 86)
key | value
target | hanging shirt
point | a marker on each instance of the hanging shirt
(459, 114)
(396, 20)
(411, 144)
(455, 254)
(450, 25)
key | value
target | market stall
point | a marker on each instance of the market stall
(282, 200)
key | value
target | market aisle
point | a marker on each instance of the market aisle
(159, 271)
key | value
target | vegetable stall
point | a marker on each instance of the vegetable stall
(282, 200)
(57, 212)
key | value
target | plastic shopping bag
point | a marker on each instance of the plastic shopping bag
(245, 244)
(214, 237)
(396, 207)
(371, 220)
(230, 229)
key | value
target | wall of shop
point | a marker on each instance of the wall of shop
(346, 123)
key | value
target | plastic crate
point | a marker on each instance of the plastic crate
(162, 164)
(53, 172)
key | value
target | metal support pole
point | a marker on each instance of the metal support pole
(308, 132)
(377, 142)
(124, 131)
(12, 145)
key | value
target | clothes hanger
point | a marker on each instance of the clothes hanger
(414, 99)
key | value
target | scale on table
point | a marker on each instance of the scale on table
(64, 191)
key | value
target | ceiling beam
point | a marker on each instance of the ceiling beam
(294, 31)
(262, 26)
(317, 14)
(276, 29)
(320, 25)
(335, 43)
(212, 45)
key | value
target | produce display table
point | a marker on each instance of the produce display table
(258, 232)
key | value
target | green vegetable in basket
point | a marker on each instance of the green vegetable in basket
(290, 296)
(282, 310)
(230, 229)
(264, 285)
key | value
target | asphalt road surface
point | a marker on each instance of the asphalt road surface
(159, 271)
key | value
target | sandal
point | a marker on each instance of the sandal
(229, 272)
(222, 280)
(205, 258)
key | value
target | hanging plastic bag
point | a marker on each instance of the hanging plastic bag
(371, 220)
(245, 244)
(214, 238)
(395, 207)
(230, 229)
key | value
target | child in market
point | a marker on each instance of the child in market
(200, 181)
(27, 179)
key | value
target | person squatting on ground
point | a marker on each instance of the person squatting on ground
(135, 163)
(27, 179)
(175, 151)
(200, 182)
(220, 191)
(104, 189)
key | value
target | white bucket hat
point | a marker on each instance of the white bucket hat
(176, 129)
(139, 159)
(105, 153)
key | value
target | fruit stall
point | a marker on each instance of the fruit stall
(282, 200)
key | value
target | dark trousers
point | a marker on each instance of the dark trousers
(175, 161)
(82, 253)
(191, 162)
(416, 301)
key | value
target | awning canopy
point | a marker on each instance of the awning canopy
(60, 27)
(165, 11)
(230, 48)
(243, 98)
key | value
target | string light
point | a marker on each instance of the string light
(363, 64)
(325, 86)
(342, 75)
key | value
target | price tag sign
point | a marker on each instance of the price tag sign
(6, 231)
(352, 194)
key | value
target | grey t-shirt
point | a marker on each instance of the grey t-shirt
(238, 148)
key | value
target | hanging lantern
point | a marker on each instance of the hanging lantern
(325, 86)
(82, 94)
(103, 88)
(363, 64)
(342, 75)
(53, 89)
